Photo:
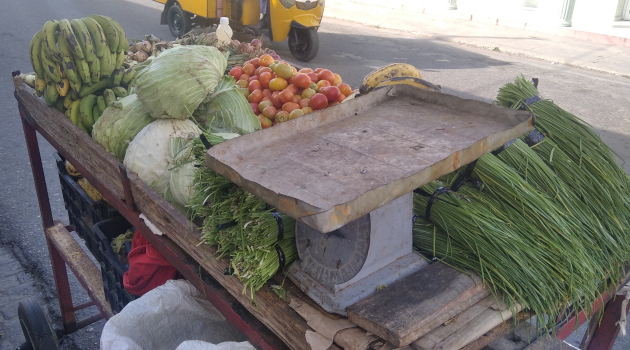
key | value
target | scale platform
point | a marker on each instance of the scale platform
(346, 175)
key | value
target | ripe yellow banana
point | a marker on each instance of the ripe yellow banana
(111, 33)
(71, 39)
(67, 61)
(40, 84)
(371, 81)
(416, 82)
(98, 36)
(34, 54)
(63, 86)
(49, 40)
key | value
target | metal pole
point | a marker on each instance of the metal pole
(566, 12)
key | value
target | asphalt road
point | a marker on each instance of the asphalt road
(349, 49)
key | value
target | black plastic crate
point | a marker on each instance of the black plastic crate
(83, 212)
(112, 269)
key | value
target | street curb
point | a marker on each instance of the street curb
(603, 39)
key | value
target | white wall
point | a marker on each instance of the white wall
(594, 13)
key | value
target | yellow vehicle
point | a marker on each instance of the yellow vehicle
(297, 19)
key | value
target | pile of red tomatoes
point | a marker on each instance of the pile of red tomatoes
(279, 92)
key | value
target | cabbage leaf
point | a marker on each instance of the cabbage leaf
(119, 124)
(227, 110)
(175, 83)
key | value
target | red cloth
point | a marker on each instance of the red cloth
(147, 267)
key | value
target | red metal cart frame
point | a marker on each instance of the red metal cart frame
(64, 250)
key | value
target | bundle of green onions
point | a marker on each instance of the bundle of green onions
(243, 228)
(502, 242)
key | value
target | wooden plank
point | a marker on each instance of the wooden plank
(83, 268)
(101, 169)
(335, 165)
(415, 305)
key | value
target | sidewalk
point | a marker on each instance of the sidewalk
(557, 46)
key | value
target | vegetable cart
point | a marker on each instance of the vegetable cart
(272, 322)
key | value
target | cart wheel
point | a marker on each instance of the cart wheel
(303, 43)
(178, 21)
(36, 326)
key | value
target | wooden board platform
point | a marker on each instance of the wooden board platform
(415, 305)
(335, 165)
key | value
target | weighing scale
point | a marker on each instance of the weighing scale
(347, 173)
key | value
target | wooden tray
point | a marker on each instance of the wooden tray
(335, 165)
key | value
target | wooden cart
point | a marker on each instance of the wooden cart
(272, 323)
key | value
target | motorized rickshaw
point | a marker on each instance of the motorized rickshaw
(297, 19)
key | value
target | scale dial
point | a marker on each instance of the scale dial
(335, 257)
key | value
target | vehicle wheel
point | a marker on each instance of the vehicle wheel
(36, 326)
(179, 23)
(303, 43)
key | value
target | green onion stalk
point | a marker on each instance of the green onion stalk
(476, 231)
(574, 136)
(240, 226)
(536, 173)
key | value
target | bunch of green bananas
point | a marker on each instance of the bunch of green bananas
(78, 63)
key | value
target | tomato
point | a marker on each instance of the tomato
(275, 100)
(302, 80)
(284, 71)
(265, 99)
(293, 88)
(296, 99)
(278, 84)
(249, 69)
(285, 96)
(270, 112)
(323, 83)
(253, 61)
(254, 107)
(307, 110)
(341, 98)
(255, 96)
(314, 87)
(236, 72)
(333, 104)
(266, 122)
(317, 70)
(305, 102)
(313, 77)
(282, 116)
(296, 113)
(242, 84)
(252, 78)
(345, 89)
(331, 92)
(244, 91)
(264, 69)
(266, 93)
(264, 79)
(273, 66)
(308, 93)
(265, 60)
(319, 101)
(305, 70)
(290, 106)
(255, 85)
(244, 77)
(337, 79)
(323, 75)
(264, 104)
